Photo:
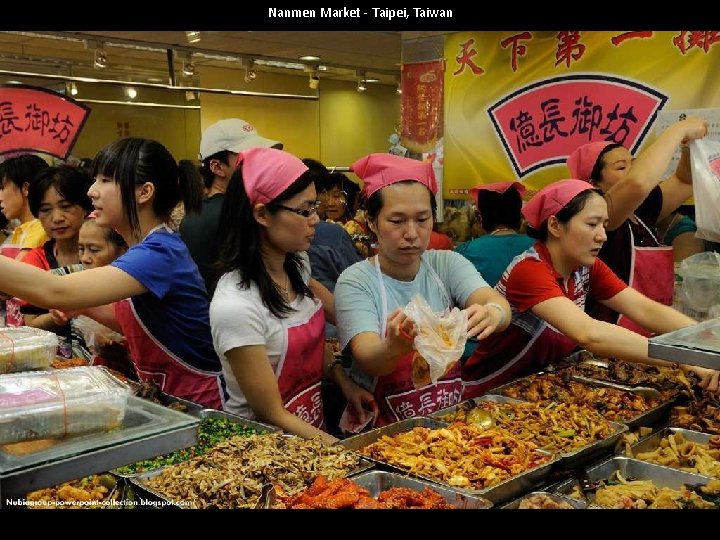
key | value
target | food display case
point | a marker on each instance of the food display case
(147, 430)
(698, 345)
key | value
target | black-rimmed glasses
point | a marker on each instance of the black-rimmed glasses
(304, 212)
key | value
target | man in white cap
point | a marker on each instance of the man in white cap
(219, 147)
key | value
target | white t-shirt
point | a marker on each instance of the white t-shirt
(239, 318)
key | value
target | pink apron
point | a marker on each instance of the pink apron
(395, 394)
(156, 363)
(546, 345)
(300, 369)
(652, 274)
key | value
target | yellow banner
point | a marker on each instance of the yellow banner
(516, 103)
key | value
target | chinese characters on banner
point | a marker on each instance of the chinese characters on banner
(39, 120)
(518, 102)
(421, 105)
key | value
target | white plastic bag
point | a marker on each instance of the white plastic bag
(705, 163)
(95, 334)
(701, 281)
(440, 341)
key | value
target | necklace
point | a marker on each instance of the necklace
(285, 291)
(502, 229)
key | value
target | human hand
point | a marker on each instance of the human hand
(400, 332)
(362, 401)
(693, 127)
(60, 318)
(708, 377)
(482, 320)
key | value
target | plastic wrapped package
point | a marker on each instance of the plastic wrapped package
(53, 404)
(24, 348)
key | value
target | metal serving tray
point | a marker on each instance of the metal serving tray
(568, 460)
(698, 345)
(378, 481)
(512, 487)
(148, 430)
(648, 418)
(637, 470)
(575, 503)
(652, 441)
(212, 413)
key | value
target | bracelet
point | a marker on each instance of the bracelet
(500, 309)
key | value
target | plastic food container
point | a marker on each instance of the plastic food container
(24, 348)
(54, 404)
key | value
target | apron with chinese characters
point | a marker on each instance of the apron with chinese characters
(153, 361)
(652, 274)
(395, 394)
(300, 369)
(13, 317)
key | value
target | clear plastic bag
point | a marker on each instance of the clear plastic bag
(701, 281)
(95, 334)
(440, 341)
(705, 163)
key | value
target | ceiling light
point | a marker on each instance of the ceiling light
(190, 95)
(71, 88)
(131, 92)
(192, 37)
(399, 86)
(188, 66)
(100, 58)
(322, 68)
(310, 58)
(249, 65)
(361, 81)
(372, 80)
(314, 80)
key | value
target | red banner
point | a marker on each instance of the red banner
(39, 120)
(542, 123)
(421, 105)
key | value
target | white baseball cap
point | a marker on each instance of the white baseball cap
(234, 135)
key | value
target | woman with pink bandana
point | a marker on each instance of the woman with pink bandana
(371, 294)
(547, 287)
(266, 316)
(637, 200)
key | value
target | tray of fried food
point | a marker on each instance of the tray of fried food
(233, 473)
(625, 483)
(616, 404)
(702, 413)
(670, 381)
(689, 451)
(95, 491)
(543, 500)
(488, 462)
(571, 431)
(379, 490)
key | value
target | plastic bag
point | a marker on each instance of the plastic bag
(95, 334)
(705, 163)
(440, 341)
(701, 281)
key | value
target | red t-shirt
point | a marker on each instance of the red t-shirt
(529, 280)
(440, 241)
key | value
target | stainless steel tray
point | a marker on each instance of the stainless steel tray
(652, 441)
(212, 413)
(487, 397)
(148, 430)
(378, 481)
(697, 345)
(575, 503)
(512, 487)
(648, 418)
(638, 470)
(568, 460)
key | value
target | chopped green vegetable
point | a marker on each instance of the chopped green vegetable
(210, 432)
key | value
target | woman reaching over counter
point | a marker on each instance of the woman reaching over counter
(547, 287)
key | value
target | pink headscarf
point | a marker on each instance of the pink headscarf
(380, 170)
(268, 172)
(498, 187)
(582, 160)
(551, 199)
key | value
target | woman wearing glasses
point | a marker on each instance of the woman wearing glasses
(370, 295)
(267, 320)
